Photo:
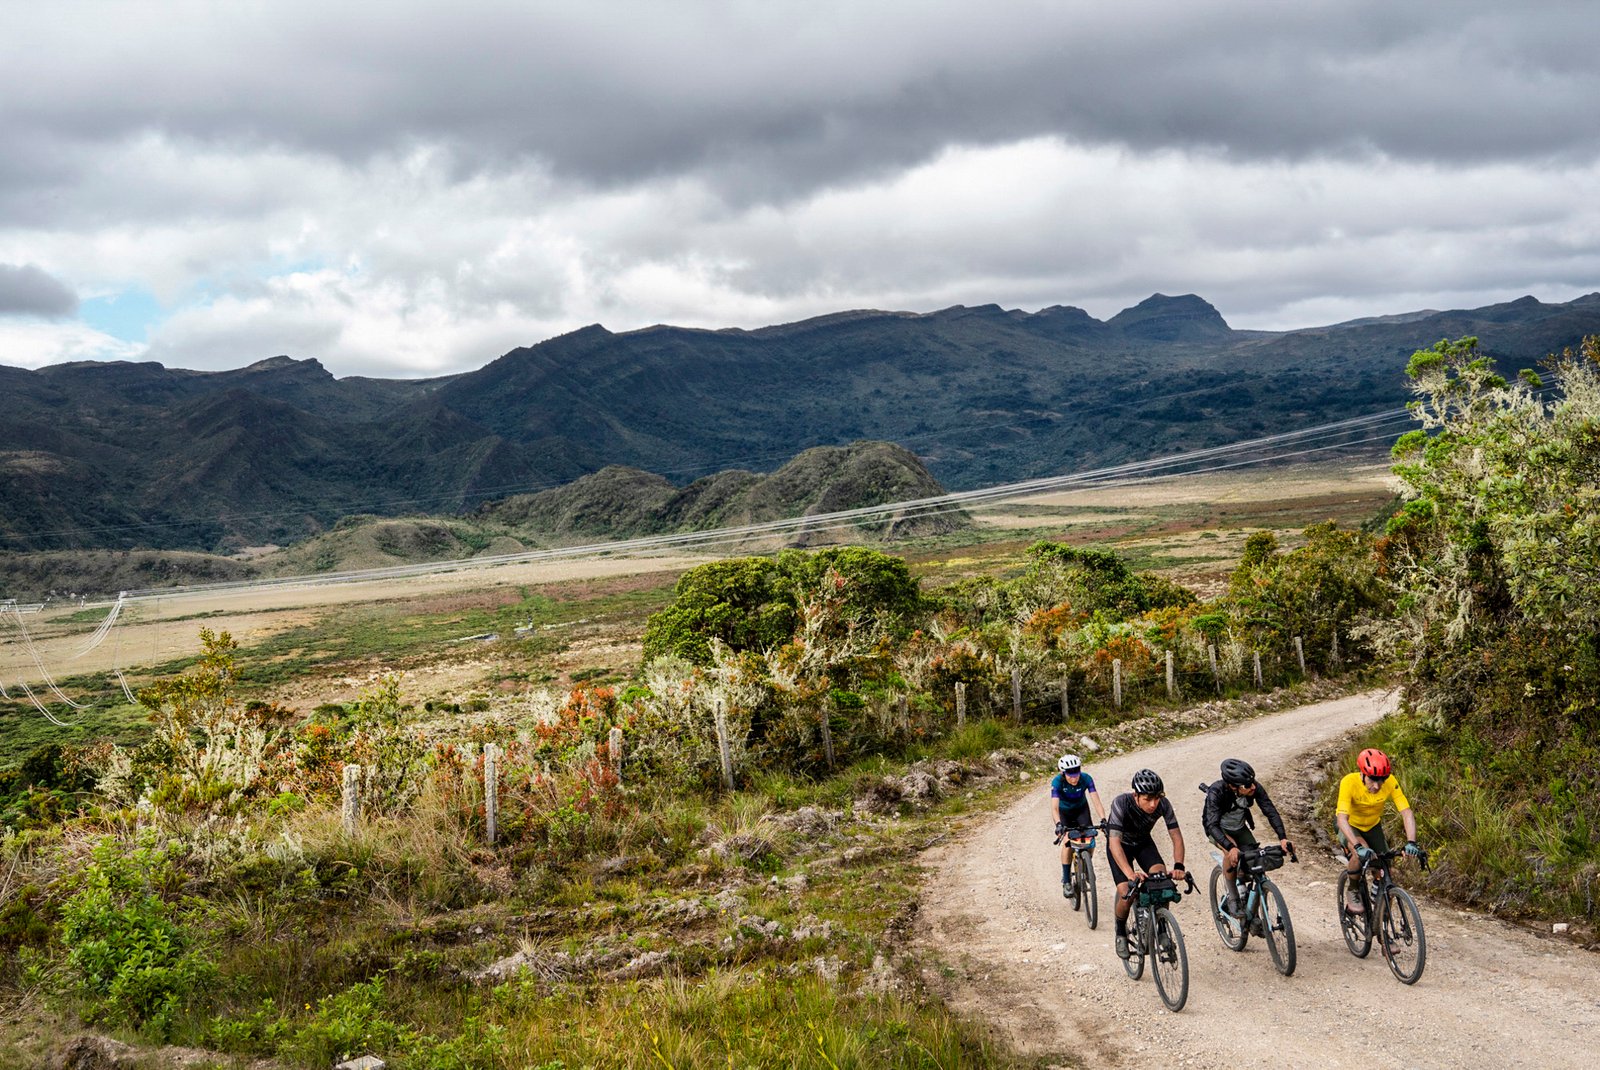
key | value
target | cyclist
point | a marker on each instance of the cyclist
(1130, 850)
(1229, 824)
(1073, 790)
(1363, 795)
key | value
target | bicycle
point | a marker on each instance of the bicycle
(1399, 925)
(1262, 910)
(1154, 933)
(1080, 886)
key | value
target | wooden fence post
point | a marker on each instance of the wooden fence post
(1300, 652)
(723, 751)
(1066, 701)
(905, 715)
(1116, 682)
(827, 731)
(491, 792)
(1256, 656)
(1016, 693)
(1172, 678)
(1337, 660)
(961, 703)
(352, 798)
(616, 752)
(1211, 652)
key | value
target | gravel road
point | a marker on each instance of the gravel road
(1018, 957)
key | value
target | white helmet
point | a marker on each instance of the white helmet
(1069, 763)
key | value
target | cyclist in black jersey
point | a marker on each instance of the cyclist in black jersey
(1130, 850)
(1229, 824)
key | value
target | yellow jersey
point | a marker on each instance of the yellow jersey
(1364, 808)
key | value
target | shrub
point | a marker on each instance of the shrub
(129, 957)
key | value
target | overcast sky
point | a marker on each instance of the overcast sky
(405, 189)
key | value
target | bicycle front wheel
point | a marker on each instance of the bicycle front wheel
(1357, 933)
(1404, 947)
(1091, 902)
(1169, 961)
(1231, 929)
(1276, 928)
(1138, 940)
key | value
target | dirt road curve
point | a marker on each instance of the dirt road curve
(992, 910)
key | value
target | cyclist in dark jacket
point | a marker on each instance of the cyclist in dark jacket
(1228, 822)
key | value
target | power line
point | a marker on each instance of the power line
(1172, 465)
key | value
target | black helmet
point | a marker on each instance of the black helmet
(1146, 782)
(1238, 773)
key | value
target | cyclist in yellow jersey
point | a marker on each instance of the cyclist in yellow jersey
(1363, 796)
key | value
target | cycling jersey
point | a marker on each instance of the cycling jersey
(1069, 797)
(1133, 824)
(1364, 808)
(1226, 813)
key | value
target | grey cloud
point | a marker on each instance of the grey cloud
(776, 99)
(27, 290)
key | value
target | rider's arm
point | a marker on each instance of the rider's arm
(1114, 848)
(1177, 849)
(1099, 806)
(1269, 811)
(1211, 814)
(1409, 819)
(1348, 831)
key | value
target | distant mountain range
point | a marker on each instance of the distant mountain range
(613, 503)
(124, 455)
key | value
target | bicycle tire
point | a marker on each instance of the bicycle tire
(1134, 963)
(1091, 901)
(1075, 894)
(1405, 948)
(1232, 930)
(1169, 961)
(1357, 932)
(1276, 928)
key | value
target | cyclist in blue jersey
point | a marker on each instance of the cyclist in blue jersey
(1073, 790)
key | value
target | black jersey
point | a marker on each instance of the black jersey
(1134, 824)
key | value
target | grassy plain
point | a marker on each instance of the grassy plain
(785, 940)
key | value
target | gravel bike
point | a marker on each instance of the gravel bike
(1260, 910)
(1079, 887)
(1153, 933)
(1388, 913)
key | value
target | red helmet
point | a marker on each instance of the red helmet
(1373, 763)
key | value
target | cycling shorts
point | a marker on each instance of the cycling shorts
(1374, 837)
(1242, 838)
(1144, 855)
(1076, 818)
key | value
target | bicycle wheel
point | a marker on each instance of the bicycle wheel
(1276, 928)
(1231, 929)
(1091, 902)
(1137, 942)
(1169, 961)
(1074, 887)
(1400, 936)
(1357, 933)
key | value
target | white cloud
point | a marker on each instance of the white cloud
(415, 190)
(36, 343)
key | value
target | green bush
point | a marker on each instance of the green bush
(130, 959)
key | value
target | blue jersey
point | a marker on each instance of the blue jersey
(1071, 797)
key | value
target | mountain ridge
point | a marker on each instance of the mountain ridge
(132, 454)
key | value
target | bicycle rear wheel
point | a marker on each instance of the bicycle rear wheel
(1357, 933)
(1400, 936)
(1091, 902)
(1276, 928)
(1138, 940)
(1169, 961)
(1231, 929)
